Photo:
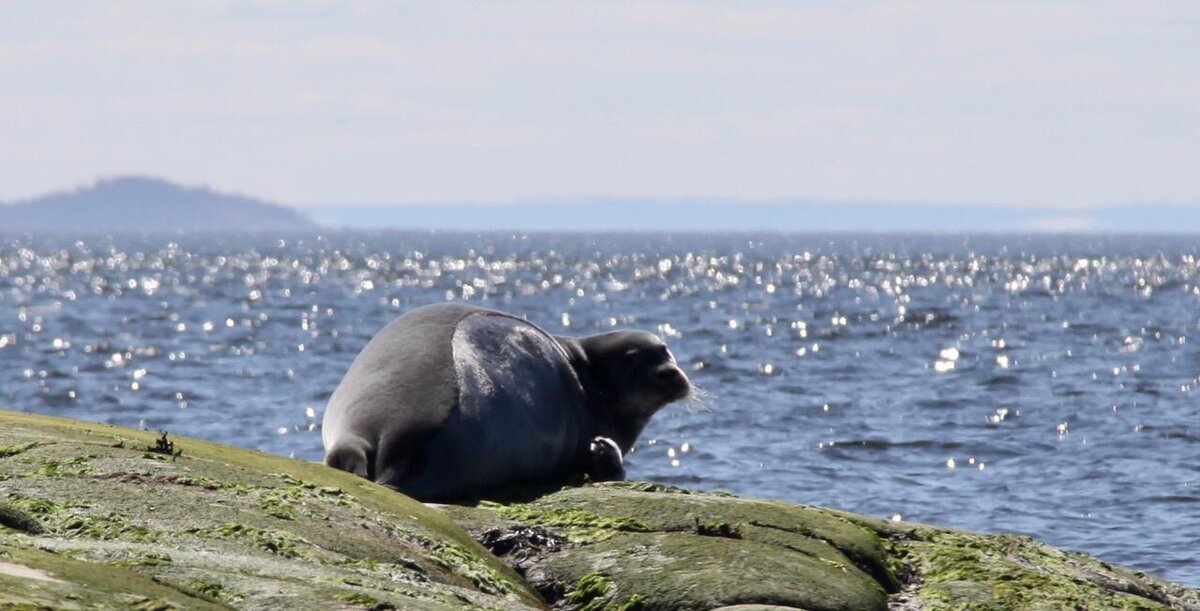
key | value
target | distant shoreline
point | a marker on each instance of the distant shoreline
(147, 204)
(139, 204)
(774, 217)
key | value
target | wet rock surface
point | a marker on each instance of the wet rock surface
(93, 515)
(635, 545)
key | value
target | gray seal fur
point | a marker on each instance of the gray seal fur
(451, 401)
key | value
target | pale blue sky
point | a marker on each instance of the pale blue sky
(1064, 104)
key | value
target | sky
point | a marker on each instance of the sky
(1061, 104)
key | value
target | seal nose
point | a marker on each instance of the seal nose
(671, 377)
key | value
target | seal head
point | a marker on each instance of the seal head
(629, 376)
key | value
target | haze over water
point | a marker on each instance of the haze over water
(1042, 385)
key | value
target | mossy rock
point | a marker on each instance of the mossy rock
(965, 570)
(99, 516)
(671, 549)
(636, 545)
(96, 515)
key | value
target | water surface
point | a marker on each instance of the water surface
(1041, 385)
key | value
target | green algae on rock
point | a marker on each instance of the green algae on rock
(635, 545)
(89, 517)
(639, 546)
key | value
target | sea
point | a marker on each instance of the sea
(1036, 384)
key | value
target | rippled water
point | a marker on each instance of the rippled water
(1042, 385)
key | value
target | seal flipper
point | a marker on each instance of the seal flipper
(351, 454)
(603, 461)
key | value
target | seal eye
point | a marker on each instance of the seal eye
(665, 353)
(651, 354)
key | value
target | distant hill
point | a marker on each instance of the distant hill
(144, 204)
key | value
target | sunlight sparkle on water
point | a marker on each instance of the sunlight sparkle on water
(761, 322)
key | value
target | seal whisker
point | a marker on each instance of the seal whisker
(697, 400)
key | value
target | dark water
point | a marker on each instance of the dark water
(1041, 385)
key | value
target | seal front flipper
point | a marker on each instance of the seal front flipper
(603, 461)
(352, 454)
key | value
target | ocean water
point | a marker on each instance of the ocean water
(1044, 385)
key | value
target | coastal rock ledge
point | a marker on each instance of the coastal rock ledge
(100, 516)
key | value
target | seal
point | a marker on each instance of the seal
(450, 401)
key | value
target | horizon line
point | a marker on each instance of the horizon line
(595, 200)
(601, 199)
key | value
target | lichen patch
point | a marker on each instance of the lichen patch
(19, 570)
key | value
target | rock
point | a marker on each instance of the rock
(94, 515)
(99, 516)
(630, 545)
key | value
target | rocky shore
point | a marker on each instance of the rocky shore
(94, 515)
